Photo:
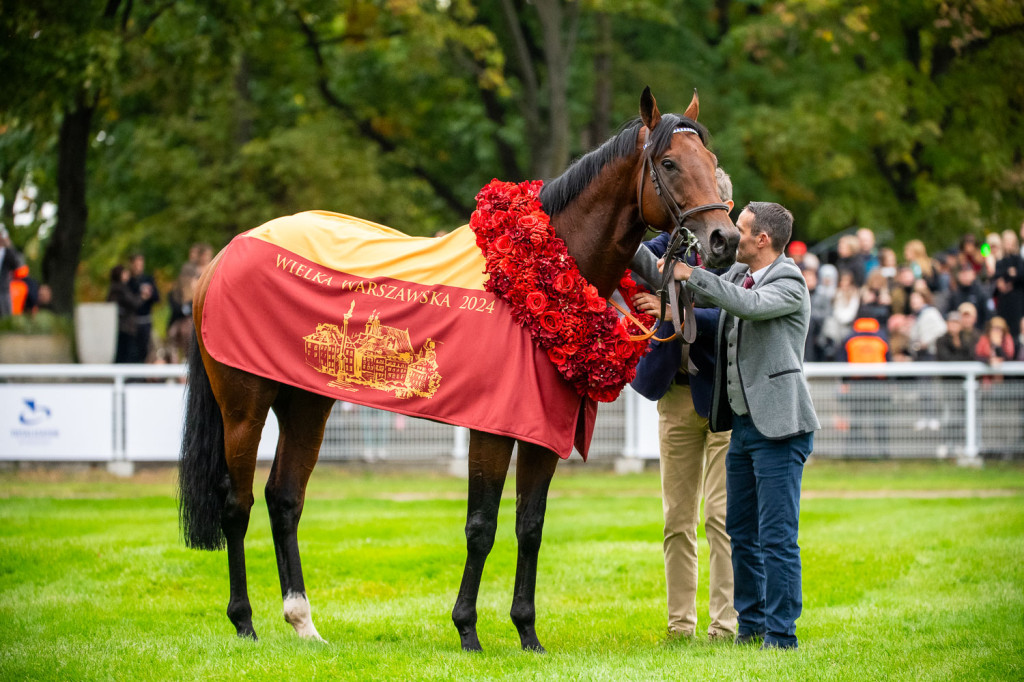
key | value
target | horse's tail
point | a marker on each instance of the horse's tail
(203, 471)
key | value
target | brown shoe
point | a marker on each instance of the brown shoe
(678, 637)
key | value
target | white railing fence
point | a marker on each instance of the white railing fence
(133, 413)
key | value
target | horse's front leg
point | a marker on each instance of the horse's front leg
(489, 456)
(302, 417)
(534, 468)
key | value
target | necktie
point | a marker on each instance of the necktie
(748, 281)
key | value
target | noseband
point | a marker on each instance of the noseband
(681, 239)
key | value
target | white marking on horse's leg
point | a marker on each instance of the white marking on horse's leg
(298, 613)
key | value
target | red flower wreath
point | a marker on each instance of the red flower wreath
(531, 270)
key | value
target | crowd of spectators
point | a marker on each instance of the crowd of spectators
(965, 303)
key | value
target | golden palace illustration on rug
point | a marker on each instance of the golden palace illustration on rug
(379, 357)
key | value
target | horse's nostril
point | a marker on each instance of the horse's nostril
(718, 242)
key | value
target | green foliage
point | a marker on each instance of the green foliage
(42, 322)
(903, 586)
(214, 117)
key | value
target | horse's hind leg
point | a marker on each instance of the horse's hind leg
(489, 456)
(534, 468)
(249, 398)
(301, 416)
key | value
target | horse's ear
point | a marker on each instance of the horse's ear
(694, 108)
(649, 113)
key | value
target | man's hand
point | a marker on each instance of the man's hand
(646, 302)
(682, 270)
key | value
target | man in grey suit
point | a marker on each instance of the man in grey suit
(761, 393)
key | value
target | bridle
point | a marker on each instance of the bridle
(682, 239)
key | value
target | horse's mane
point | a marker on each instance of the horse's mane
(558, 193)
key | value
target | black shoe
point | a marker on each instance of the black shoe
(778, 645)
(751, 638)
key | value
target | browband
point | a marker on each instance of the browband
(680, 129)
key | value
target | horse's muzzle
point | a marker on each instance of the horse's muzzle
(723, 247)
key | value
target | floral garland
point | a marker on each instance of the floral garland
(531, 270)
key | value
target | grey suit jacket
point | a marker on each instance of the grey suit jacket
(772, 319)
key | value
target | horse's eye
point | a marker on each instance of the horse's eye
(668, 164)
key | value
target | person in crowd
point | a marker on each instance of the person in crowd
(821, 311)
(875, 299)
(143, 286)
(866, 343)
(797, 250)
(996, 344)
(957, 344)
(10, 261)
(887, 263)
(969, 316)
(928, 324)
(180, 326)
(945, 266)
(127, 304)
(969, 254)
(813, 351)
(23, 291)
(850, 259)
(1009, 281)
(1020, 342)
(692, 456)
(761, 393)
(966, 289)
(993, 254)
(845, 305)
(868, 252)
(810, 262)
(199, 255)
(898, 327)
(917, 259)
(44, 299)
(900, 291)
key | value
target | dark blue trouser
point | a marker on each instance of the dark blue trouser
(762, 516)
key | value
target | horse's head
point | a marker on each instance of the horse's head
(676, 183)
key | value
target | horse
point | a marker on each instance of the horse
(656, 172)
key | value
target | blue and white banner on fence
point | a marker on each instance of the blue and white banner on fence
(39, 422)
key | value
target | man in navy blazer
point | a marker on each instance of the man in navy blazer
(761, 393)
(692, 456)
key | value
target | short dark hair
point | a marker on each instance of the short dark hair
(774, 220)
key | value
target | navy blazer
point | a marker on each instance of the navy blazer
(657, 370)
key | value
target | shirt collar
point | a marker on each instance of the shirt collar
(758, 275)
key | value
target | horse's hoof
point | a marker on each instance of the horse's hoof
(471, 644)
(535, 648)
(248, 633)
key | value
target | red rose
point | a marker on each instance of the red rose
(596, 305)
(503, 244)
(557, 356)
(624, 349)
(536, 301)
(564, 282)
(550, 320)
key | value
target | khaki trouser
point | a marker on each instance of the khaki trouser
(692, 463)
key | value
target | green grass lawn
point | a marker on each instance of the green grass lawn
(922, 581)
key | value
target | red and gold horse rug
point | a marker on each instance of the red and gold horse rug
(360, 312)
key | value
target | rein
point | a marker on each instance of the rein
(681, 239)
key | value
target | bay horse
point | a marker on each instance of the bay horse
(656, 172)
